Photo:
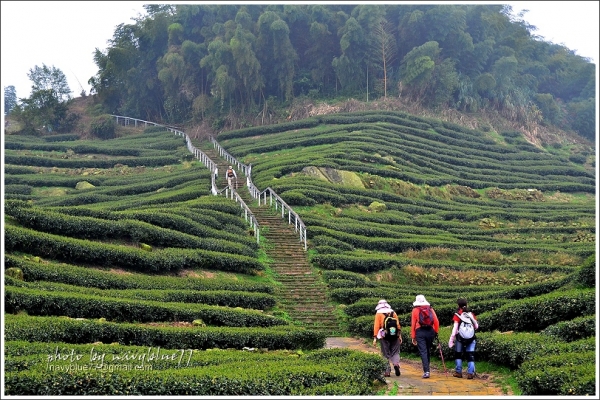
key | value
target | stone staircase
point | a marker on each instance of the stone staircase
(302, 294)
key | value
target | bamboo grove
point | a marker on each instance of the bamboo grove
(190, 63)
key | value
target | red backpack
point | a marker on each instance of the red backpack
(425, 316)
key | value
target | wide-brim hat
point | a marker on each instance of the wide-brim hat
(420, 301)
(383, 307)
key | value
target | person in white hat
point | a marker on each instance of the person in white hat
(230, 174)
(391, 340)
(424, 327)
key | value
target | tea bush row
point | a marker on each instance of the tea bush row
(551, 170)
(135, 181)
(450, 240)
(224, 298)
(174, 195)
(53, 329)
(572, 374)
(20, 189)
(444, 307)
(137, 231)
(167, 220)
(512, 349)
(268, 129)
(93, 278)
(365, 263)
(83, 251)
(37, 161)
(77, 305)
(87, 147)
(473, 293)
(575, 329)
(39, 356)
(213, 215)
(266, 380)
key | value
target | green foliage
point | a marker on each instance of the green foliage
(190, 372)
(52, 329)
(575, 329)
(10, 99)
(476, 58)
(103, 126)
(225, 298)
(15, 273)
(81, 305)
(46, 78)
(571, 374)
(93, 278)
(537, 313)
(586, 276)
(84, 251)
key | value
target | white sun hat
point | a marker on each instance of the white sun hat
(420, 301)
(383, 307)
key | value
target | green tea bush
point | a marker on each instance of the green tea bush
(567, 374)
(77, 305)
(53, 329)
(537, 313)
(575, 329)
(103, 126)
(170, 259)
(94, 278)
(224, 298)
(586, 276)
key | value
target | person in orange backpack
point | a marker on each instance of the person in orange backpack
(230, 174)
(424, 327)
(386, 328)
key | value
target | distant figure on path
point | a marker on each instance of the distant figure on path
(424, 327)
(389, 335)
(230, 175)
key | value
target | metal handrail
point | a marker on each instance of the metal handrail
(274, 198)
(210, 164)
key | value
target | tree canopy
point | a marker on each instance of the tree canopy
(182, 62)
(46, 109)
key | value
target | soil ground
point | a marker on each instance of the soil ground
(411, 383)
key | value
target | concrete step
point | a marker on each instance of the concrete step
(302, 293)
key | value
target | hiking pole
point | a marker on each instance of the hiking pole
(442, 355)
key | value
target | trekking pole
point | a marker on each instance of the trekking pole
(442, 355)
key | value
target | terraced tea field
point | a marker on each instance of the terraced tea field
(121, 241)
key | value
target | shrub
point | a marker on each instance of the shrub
(586, 276)
(578, 328)
(103, 127)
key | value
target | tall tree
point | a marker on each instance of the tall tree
(46, 109)
(384, 45)
(247, 66)
(10, 99)
(351, 63)
(284, 58)
(50, 78)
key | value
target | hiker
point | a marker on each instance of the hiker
(230, 174)
(390, 339)
(424, 327)
(463, 345)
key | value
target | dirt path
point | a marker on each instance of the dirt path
(411, 383)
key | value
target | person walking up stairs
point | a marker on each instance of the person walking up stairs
(302, 294)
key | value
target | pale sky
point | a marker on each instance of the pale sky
(64, 34)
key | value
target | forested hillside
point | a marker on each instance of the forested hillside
(192, 63)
